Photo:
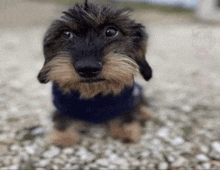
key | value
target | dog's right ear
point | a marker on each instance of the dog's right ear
(48, 50)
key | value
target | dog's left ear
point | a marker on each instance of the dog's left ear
(140, 59)
(144, 67)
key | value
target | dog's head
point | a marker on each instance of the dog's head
(94, 49)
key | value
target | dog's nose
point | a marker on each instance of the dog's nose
(88, 69)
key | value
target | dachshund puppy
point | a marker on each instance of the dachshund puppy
(92, 54)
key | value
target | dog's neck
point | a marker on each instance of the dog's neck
(98, 109)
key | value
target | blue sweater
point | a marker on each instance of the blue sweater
(98, 109)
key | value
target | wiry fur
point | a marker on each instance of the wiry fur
(86, 41)
(118, 71)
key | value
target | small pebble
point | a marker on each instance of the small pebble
(55, 167)
(16, 160)
(206, 165)
(177, 141)
(37, 131)
(163, 166)
(3, 150)
(52, 152)
(215, 164)
(12, 167)
(179, 162)
(75, 167)
(163, 132)
(145, 154)
(24, 156)
(43, 163)
(81, 152)
(113, 158)
(187, 108)
(68, 166)
(216, 146)
(73, 160)
(68, 151)
(122, 163)
(30, 150)
(15, 148)
(58, 161)
(204, 149)
(171, 158)
(202, 158)
(103, 162)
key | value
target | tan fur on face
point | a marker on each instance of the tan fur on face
(61, 71)
(118, 72)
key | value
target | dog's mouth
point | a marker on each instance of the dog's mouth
(97, 80)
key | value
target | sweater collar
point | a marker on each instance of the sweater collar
(98, 109)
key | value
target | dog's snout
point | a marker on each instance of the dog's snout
(88, 69)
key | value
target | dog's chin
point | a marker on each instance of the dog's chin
(97, 80)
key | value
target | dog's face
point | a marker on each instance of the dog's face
(94, 49)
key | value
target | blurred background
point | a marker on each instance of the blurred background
(184, 94)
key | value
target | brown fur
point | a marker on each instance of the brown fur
(126, 132)
(115, 129)
(118, 71)
(80, 36)
(132, 131)
(65, 138)
(145, 113)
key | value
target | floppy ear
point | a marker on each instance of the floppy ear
(49, 48)
(140, 59)
(42, 76)
(144, 67)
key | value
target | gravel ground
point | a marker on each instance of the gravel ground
(184, 96)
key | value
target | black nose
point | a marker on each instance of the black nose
(88, 69)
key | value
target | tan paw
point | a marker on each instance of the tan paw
(127, 132)
(64, 138)
(145, 114)
(132, 132)
(115, 129)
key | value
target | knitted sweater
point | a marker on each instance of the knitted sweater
(98, 109)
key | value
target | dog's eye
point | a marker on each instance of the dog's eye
(67, 34)
(110, 32)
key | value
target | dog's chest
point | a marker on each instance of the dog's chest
(98, 109)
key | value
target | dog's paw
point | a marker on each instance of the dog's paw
(128, 132)
(117, 133)
(145, 114)
(115, 129)
(64, 138)
(132, 132)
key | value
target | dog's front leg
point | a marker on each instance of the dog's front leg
(66, 131)
(125, 131)
(64, 138)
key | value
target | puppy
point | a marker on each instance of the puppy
(91, 56)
